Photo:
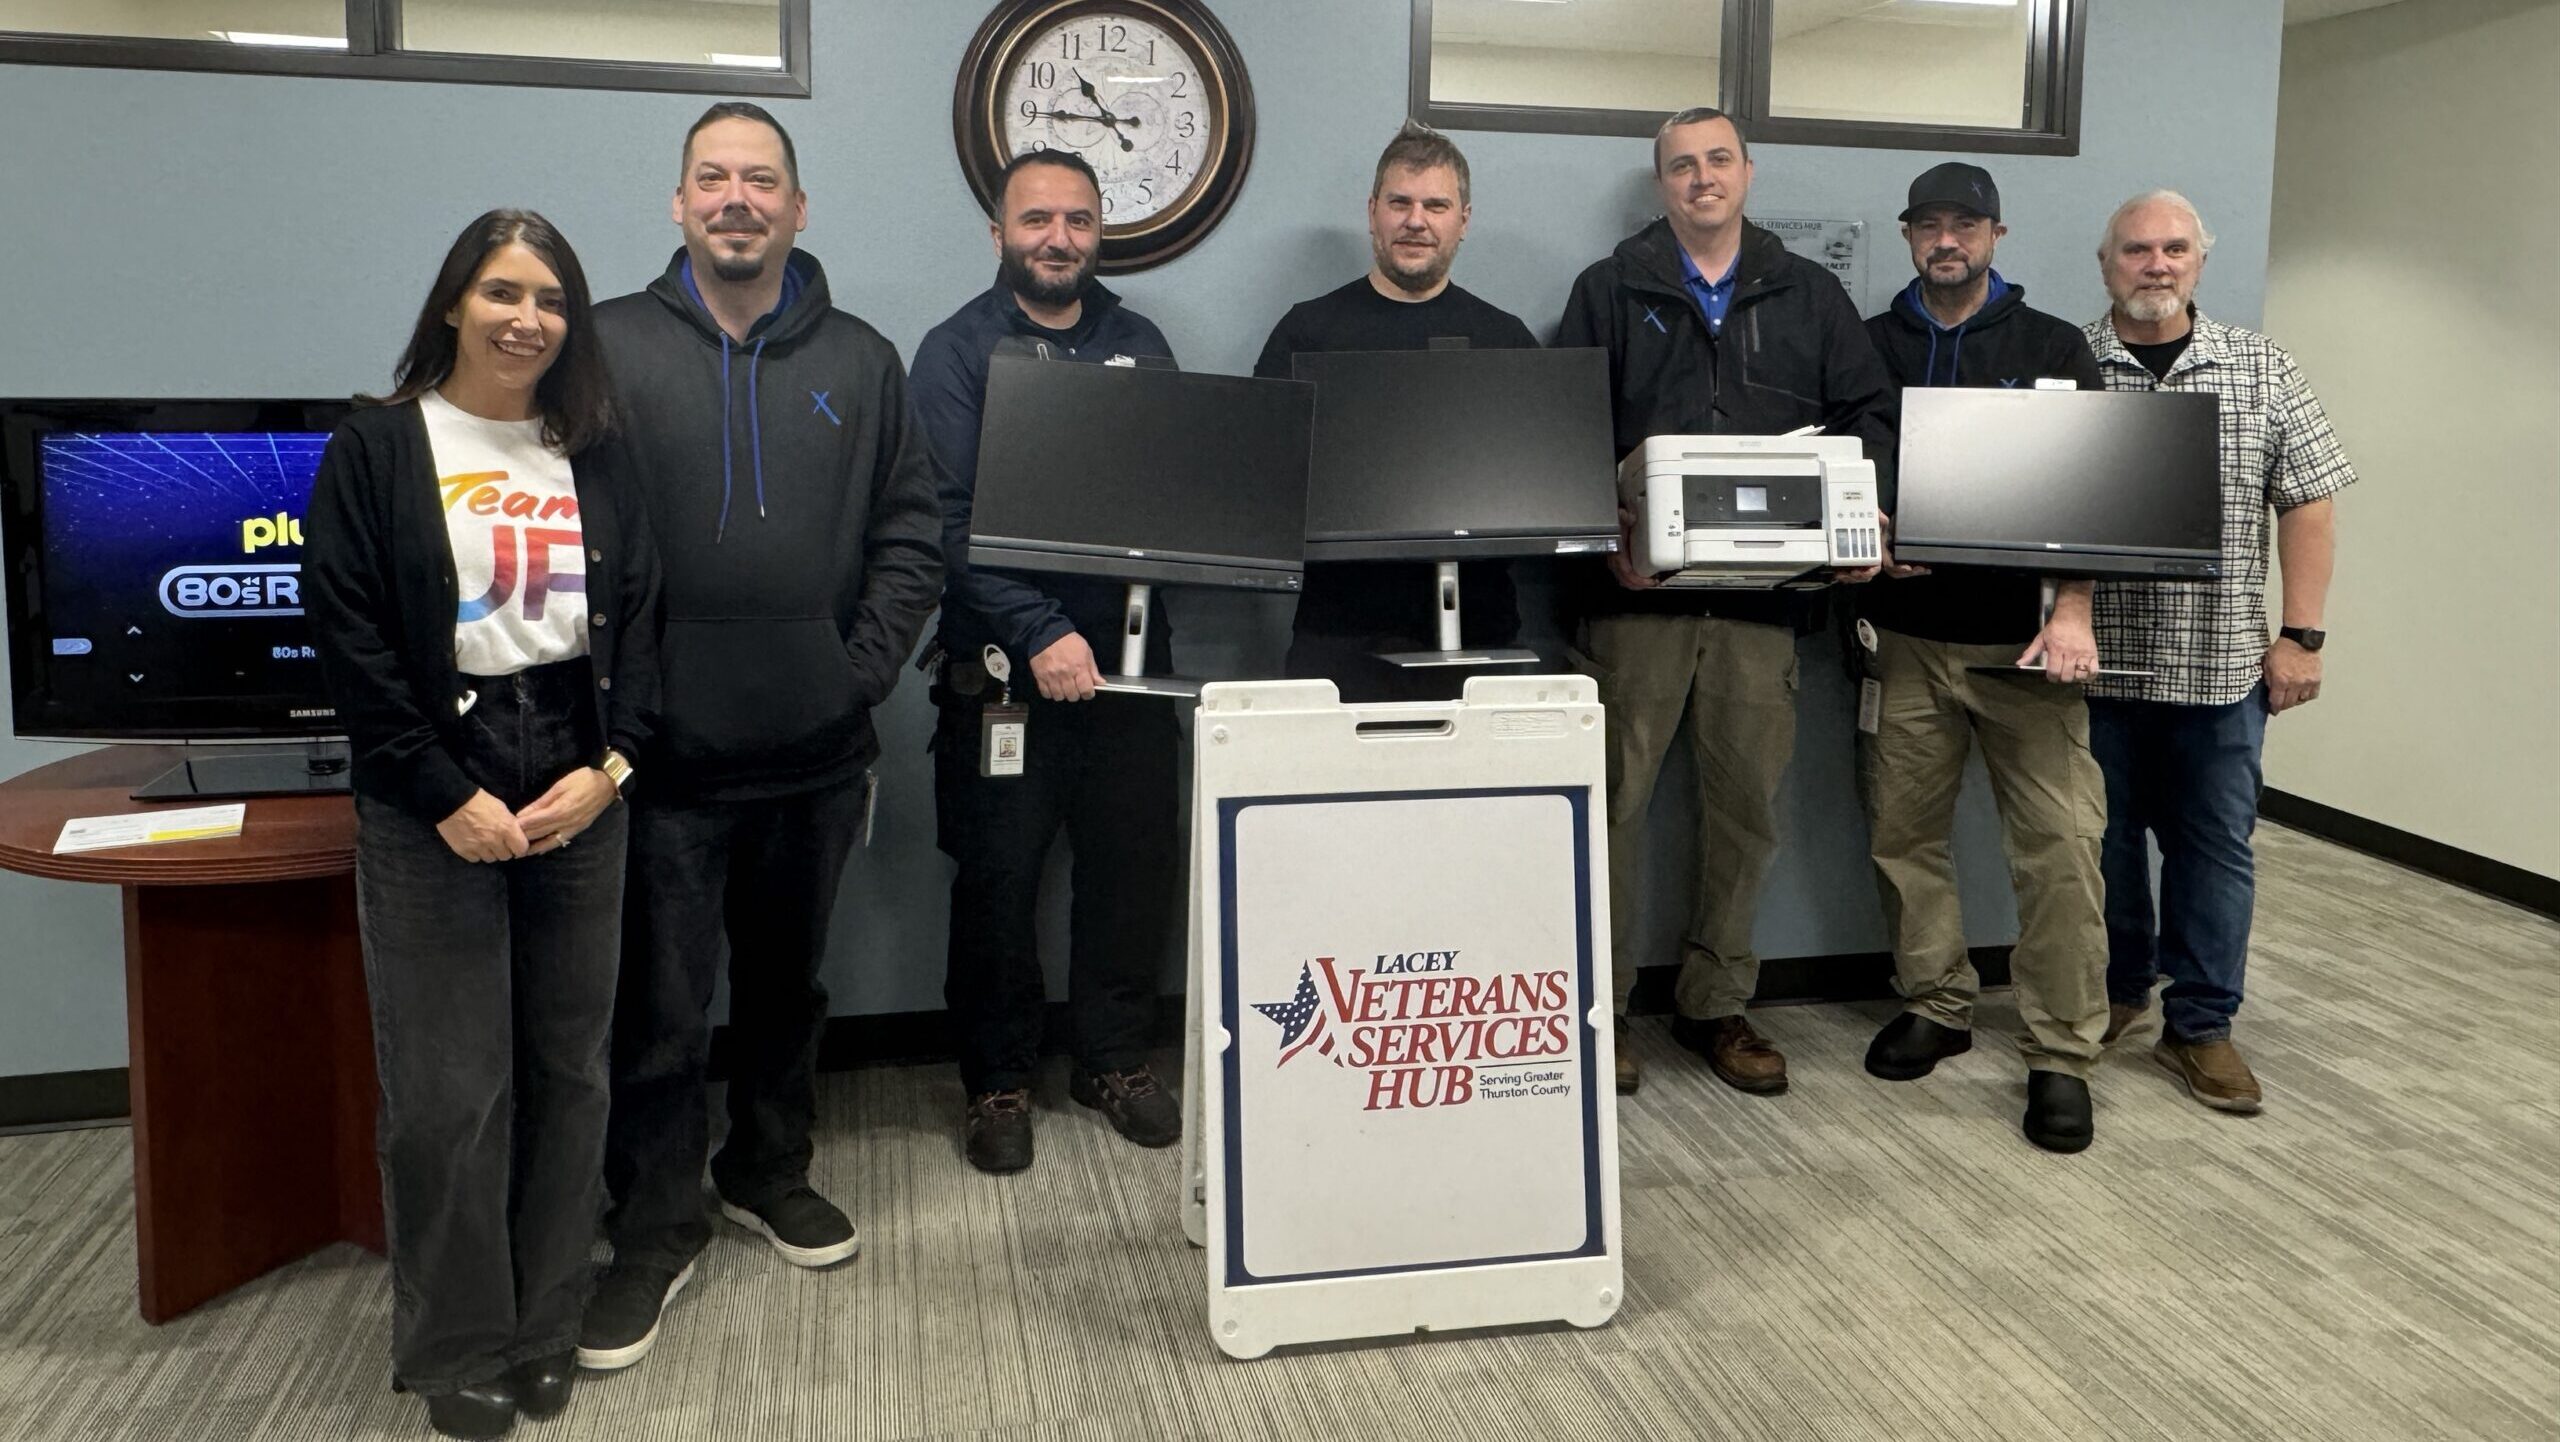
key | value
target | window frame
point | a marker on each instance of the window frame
(2057, 45)
(373, 53)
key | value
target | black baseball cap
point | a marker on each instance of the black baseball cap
(1967, 187)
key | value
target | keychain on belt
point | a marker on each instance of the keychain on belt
(1004, 725)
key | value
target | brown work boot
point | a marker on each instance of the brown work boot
(1740, 1057)
(1630, 1075)
(2122, 1017)
(2213, 1072)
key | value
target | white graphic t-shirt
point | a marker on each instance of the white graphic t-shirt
(511, 514)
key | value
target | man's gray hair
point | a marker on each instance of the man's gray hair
(1691, 116)
(2204, 236)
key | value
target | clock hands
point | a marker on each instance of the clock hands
(1094, 97)
(1129, 120)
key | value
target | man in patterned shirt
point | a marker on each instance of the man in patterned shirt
(2180, 748)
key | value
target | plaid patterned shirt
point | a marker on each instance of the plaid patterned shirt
(2208, 640)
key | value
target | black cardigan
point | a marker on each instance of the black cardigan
(377, 568)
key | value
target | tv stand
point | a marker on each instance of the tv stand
(317, 769)
(1444, 602)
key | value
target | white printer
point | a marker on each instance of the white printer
(1750, 512)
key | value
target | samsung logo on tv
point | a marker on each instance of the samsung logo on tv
(312, 713)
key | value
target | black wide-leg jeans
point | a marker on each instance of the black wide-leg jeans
(492, 994)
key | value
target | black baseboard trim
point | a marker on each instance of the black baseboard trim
(912, 1038)
(64, 1098)
(2467, 869)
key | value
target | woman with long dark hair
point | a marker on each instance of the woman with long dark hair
(484, 596)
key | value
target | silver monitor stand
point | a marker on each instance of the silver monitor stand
(1132, 678)
(1444, 601)
(2045, 599)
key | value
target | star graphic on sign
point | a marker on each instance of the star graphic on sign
(1301, 1018)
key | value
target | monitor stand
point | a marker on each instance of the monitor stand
(1444, 602)
(1132, 678)
(317, 769)
(2049, 594)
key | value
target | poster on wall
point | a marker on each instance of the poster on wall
(1838, 246)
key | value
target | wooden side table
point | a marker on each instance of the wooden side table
(252, 1049)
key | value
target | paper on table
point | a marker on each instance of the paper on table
(149, 828)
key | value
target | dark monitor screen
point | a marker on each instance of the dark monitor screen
(1142, 474)
(2120, 483)
(1440, 454)
(155, 558)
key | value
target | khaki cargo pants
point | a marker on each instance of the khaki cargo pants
(1735, 682)
(2035, 743)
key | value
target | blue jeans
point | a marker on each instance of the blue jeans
(2188, 775)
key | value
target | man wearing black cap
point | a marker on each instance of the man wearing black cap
(1960, 323)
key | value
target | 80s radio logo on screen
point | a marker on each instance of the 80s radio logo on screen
(232, 591)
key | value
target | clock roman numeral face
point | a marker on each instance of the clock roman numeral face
(1127, 96)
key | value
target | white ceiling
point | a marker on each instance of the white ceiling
(2298, 12)
(1667, 27)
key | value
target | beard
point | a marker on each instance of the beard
(2154, 306)
(1023, 281)
(1972, 273)
(1413, 279)
(737, 269)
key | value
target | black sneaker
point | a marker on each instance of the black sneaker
(998, 1131)
(804, 1227)
(1911, 1046)
(621, 1323)
(1137, 1106)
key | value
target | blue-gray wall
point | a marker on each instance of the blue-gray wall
(223, 235)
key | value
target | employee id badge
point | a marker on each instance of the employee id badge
(1870, 705)
(1004, 730)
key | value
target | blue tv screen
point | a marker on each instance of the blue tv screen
(157, 555)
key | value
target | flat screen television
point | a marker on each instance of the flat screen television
(154, 568)
(1445, 455)
(2122, 484)
(1143, 475)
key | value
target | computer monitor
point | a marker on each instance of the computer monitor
(2122, 484)
(1143, 475)
(155, 555)
(1444, 455)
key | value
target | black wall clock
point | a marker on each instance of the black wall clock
(1150, 92)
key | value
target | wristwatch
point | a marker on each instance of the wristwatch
(2309, 638)
(616, 768)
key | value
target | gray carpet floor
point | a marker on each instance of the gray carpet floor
(2377, 1256)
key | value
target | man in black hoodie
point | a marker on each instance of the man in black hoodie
(1712, 327)
(793, 497)
(1962, 324)
(1104, 767)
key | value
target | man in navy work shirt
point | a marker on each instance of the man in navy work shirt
(1101, 766)
(1348, 611)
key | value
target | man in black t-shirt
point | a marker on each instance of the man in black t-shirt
(1350, 610)
(1960, 323)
